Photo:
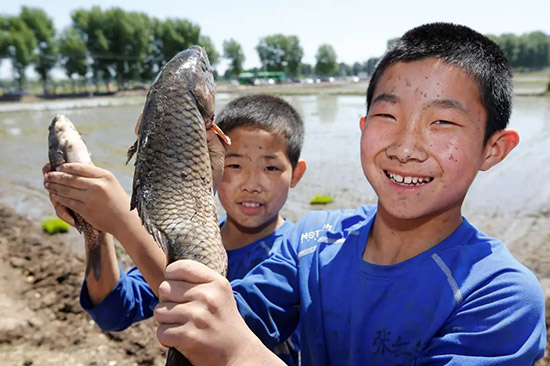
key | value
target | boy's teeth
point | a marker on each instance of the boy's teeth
(250, 204)
(408, 180)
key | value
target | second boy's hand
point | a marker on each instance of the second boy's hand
(197, 310)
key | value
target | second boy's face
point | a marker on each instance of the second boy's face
(256, 179)
(422, 143)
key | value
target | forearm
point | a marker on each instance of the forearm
(110, 273)
(255, 353)
(142, 249)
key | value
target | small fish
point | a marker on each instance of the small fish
(172, 188)
(65, 145)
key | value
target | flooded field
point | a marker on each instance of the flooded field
(331, 149)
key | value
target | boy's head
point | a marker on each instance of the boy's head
(463, 47)
(268, 113)
(437, 106)
(262, 163)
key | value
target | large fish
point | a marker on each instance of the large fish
(172, 187)
(65, 145)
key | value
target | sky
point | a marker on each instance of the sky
(357, 30)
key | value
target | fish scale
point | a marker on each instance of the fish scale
(172, 189)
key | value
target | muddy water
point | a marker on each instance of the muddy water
(331, 149)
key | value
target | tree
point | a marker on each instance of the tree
(280, 53)
(232, 50)
(91, 24)
(326, 61)
(72, 49)
(44, 32)
(213, 55)
(356, 68)
(344, 69)
(370, 64)
(176, 35)
(17, 42)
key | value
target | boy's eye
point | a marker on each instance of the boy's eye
(272, 169)
(384, 115)
(442, 122)
(233, 166)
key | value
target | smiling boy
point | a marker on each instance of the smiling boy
(408, 281)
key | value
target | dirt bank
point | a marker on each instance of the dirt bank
(41, 321)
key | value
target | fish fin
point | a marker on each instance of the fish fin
(157, 234)
(131, 151)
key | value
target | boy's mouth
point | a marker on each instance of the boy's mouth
(407, 180)
(251, 204)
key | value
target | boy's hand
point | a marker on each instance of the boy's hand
(93, 192)
(217, 157)
(197, 314)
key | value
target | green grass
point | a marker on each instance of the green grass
(54, 226)
(321, 199)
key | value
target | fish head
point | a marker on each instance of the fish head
(203, 84)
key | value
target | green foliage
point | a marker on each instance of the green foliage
(326, 61)
(280, 53)
(17, 43)
(526, 51)
(54, 226)
(232, 50)
(213, 55)
(44, 32)
(320, 199)
(73, 50)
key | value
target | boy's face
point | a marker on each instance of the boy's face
(257, 177)
(422, 143)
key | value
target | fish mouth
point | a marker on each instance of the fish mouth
(408, 180)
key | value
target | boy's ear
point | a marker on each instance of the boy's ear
(362, 122)
(498, 146)
(297, 173)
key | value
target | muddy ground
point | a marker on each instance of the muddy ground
(41, 322)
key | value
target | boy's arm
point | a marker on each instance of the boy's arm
(502, 323)
(197, 314)
(97, 195)
(130, 301)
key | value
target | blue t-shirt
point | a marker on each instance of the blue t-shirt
(132, 300)
(465, 301)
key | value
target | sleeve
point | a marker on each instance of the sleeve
(502, 323)
(268, 296)
(130, 301)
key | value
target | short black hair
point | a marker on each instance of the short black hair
(459, 46)
(269, 113)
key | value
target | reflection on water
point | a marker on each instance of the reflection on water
(331, 150)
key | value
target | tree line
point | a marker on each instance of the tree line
(128, 46)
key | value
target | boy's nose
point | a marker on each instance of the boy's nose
(407, 146)
(251, 183)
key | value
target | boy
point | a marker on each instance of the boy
(261, 164)
(408, 281)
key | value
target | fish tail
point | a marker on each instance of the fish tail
(175, 358)
(94, 261)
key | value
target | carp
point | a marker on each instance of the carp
(172, 187)
(65, 145)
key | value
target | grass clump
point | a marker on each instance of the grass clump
(321, 199)
(54, 226)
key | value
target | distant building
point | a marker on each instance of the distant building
(262, 77)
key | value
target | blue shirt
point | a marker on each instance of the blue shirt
(132, 300)
(465, 301)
